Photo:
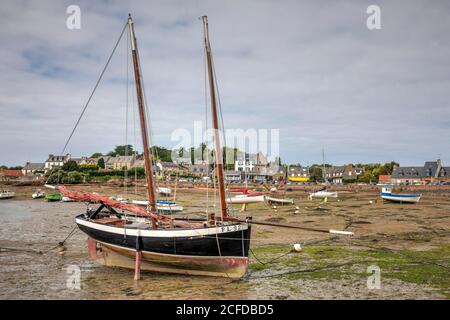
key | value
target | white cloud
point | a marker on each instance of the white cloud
(310, 68)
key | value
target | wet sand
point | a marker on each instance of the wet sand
(391, 235)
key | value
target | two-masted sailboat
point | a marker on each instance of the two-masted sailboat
(127, 235)
(143, 238)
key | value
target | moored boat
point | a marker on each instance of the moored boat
(163, 206)
(387, 194)
(217, 245)
(53, 197)
(38, 194)
(6, 194)
(164, 191)
(281, 201)
(246, 198)
(323, 194)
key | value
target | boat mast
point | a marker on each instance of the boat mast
(147, 155)
(323, 167)
(215, 123)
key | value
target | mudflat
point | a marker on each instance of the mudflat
(406, 245)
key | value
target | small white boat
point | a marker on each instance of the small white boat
(386, 194)
(164, 191)
(161, 205)
(6, 194)
(246, 198)
(323, 194)
(282, 201)
(38, 194)
(66, 199)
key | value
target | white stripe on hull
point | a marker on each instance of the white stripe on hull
(163, 233)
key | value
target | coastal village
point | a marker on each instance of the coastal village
(247, 168)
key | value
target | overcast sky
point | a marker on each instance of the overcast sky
(311, 69)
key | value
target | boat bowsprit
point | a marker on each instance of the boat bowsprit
(387, 194)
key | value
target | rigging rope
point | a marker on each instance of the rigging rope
(95, 88)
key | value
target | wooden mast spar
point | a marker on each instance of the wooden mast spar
(215, 123)
(144, 132)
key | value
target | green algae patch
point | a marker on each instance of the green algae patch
(425, 267)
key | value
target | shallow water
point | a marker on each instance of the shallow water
(36, 270)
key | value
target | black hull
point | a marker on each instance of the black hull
(225, 244)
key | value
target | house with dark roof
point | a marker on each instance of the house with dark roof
(233, 176)
(298, 173)
(339, 174)
(431, 171)
(199, 169)
(31, 168)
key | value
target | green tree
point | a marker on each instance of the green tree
(101, 163)
(162, 154)
(74, 177)
(122, 150)
(315, 173)
(70, 165)
(387, 168)
(96, 155)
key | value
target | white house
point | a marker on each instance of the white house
(55, 161)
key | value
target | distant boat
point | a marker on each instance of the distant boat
(162, 206)
(282, 201)
(66, 199)
(246, 198)
(323, 194)
(6, 194)
(386, 194)
(164, 191)
(38, 194)
(53, 197)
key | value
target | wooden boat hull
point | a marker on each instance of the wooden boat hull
(211, 251)
(116, 256)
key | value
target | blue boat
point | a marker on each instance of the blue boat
(386, 194)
